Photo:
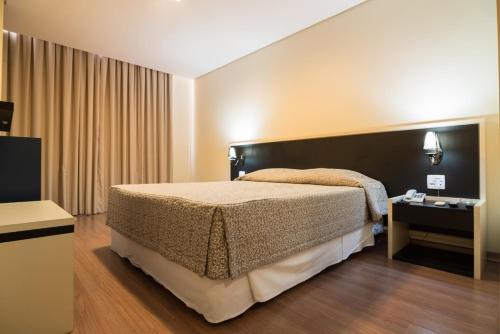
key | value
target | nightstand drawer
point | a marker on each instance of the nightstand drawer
(434, 219)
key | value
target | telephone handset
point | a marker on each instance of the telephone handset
(412, 196)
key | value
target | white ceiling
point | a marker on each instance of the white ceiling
(188, 38)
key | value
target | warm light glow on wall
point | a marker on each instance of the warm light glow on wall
(242, 124)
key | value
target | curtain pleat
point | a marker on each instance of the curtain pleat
(102, 121)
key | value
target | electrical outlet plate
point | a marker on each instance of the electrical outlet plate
(436, 182)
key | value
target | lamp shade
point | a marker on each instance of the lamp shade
(231, 154)
(431, 142)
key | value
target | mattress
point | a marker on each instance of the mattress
(220, 300)
(226, 229)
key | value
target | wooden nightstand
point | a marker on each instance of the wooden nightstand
(461, 221)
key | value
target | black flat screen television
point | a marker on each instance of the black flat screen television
(6, 111)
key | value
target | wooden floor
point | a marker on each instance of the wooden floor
(366, 294)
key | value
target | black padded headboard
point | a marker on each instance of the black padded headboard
(395, 158)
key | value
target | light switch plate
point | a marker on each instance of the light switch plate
(241, 173)
(436, 182)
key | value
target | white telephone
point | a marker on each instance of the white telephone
(413, 197)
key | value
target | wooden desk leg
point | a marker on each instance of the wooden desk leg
(399, 233)
(479, 238)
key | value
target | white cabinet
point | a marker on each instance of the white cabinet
(36, 268)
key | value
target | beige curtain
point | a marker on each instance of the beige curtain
(102, 121)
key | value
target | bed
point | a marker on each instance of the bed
(220, 247)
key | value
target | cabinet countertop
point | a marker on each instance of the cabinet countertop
(23, 216)
(430, 204)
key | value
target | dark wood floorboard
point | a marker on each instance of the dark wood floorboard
(365, 294)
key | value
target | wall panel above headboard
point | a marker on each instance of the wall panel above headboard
(395, 158)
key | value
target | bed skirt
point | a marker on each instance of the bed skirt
(220, 300)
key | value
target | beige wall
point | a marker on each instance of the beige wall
(383, 63)
(181, 113)
(1, 45)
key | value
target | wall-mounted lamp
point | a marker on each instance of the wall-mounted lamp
(432, 147)
(233, 156)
